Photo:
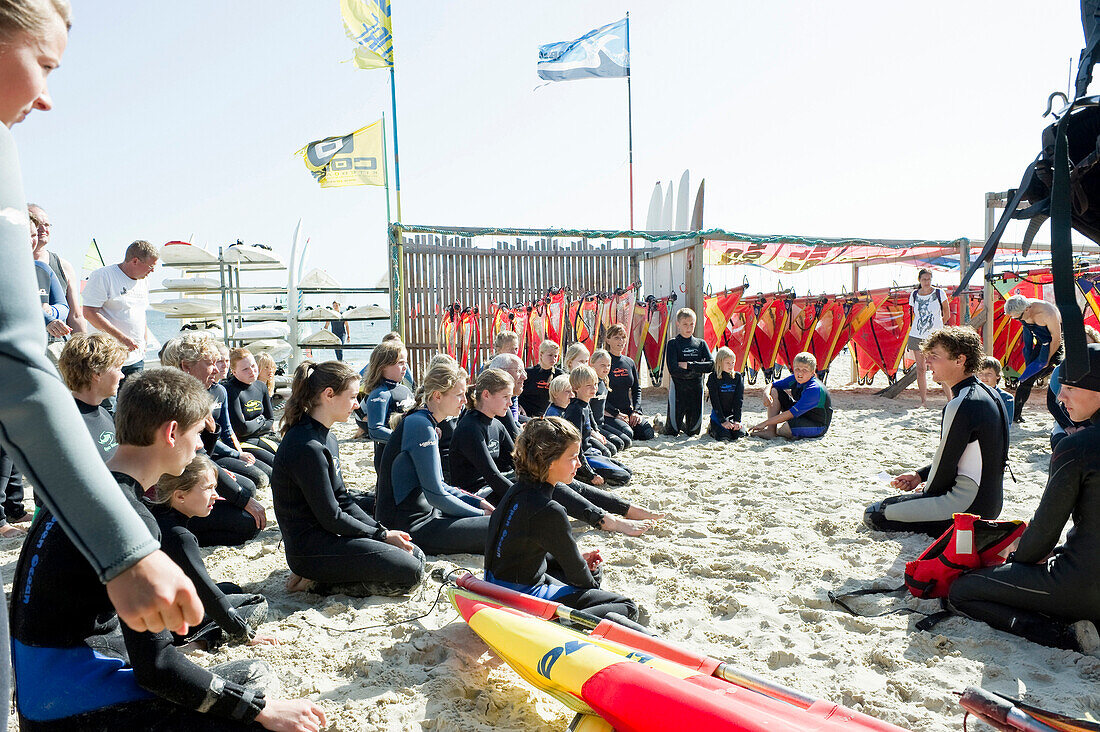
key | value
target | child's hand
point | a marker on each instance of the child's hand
(598, 480)
(592, 559)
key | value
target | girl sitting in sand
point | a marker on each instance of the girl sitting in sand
(531, 547)
(412, 495)
(482, 462)
(231, 614)
(727, 395)
(265, 372)
(384, 394)
(250, 410)
(333, 544)
(609, 428)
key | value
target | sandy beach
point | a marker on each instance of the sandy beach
(758, 532)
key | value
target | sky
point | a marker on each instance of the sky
(863, 119)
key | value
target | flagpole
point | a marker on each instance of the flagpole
(396, 158)
(629, 126)
(385, 171)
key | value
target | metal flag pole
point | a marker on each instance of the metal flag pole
(396, 158)
(386, 172)
(629, 126)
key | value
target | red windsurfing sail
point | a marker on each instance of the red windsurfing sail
(636, 331)
(827, 339)
(717, 310)
(622, 307)
(448, 330)
(656, 335)
(555, 315)
(740, 330)
(880, 344)
(770, 326)
(582, 316)
(804, 313)
(536, 330)
(469, 340)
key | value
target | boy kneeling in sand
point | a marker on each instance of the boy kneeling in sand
(75, 667)
(799, 405)
(967, 472)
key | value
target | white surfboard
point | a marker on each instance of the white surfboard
(277, 348)
(683, 191)
(320, 314)
(265, 329)
(196, 284)
(320, 339)
(318, 278)
(653, 216)
(175, 253)
(666, 212)
(188, 307)
(365, 312)
(251, 254)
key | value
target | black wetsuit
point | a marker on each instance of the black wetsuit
(101, 425)
(967, 473)
(222, 451)
(535, 397)
(1037, 594)
(1036, 340)
(527, 529)
(12, 488)
(727, 396)
(617, 433)
(329, 534)
(413, 497)
(685, 393)
(624, 397)
(78, 668)
(229, 524)
(251, 414)
(230, 617)
(374, 412)
(483, 459)
(593, 460)
(446, 434)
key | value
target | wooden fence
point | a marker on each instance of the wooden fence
(439, 270)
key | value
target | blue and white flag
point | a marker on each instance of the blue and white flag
(601, 53)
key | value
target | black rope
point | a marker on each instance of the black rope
(376, 626)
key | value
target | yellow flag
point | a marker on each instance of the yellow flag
(367, 23)
(348, 160)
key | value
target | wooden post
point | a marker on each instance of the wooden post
(852, 348)
(991, 200)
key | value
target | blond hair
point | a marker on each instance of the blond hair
(575, 351)
(503, 337)
(684, 313)
(142, 250)
(87, 355)
(806, 358)
(559, 384)
(582, 376)
(32, 16)
(190, 348)
(720, 357)
(440, 378)
(186, 481)
(598, 355)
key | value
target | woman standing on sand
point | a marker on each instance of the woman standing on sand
(930, 310)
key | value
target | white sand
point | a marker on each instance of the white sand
(759, 532)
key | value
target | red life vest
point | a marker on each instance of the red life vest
(971, 543)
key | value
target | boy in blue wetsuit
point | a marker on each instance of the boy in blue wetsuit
(688, 360)
(798, 406)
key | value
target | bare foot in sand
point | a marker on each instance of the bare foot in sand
(625, 526)
(298, 584)
(8, 531)
(637, 513)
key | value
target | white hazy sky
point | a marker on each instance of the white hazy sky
(871, 119)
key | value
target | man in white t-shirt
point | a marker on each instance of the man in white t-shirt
(930, 311)
(115, 300)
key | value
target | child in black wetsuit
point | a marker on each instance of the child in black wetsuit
(727, 395)
(384, 394)
(530, 547)
(596, 464)
(616, 432)
(131, 680)
(231, 614)
(624, 397)
(250, 410)
(688, 361)
(535, 397)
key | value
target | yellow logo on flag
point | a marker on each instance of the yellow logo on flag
(348, 160)
(367, 23)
